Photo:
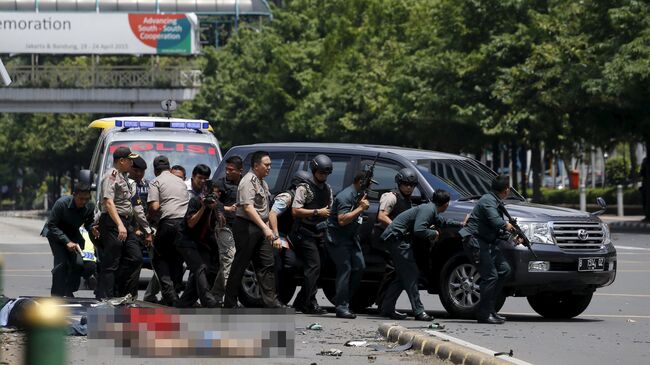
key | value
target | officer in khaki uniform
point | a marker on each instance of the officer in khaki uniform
(253, 236)
(168, 200)
(120, 254)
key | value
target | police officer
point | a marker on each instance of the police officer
(141, 187)
(253, 236)
(281, 223)
(227, 187)
(343, 243)
(391, 204)
(486, 225)
(310, 209)
(120, 254)
(167, 199)
(197, 243)
(66, 242)
(417, 222)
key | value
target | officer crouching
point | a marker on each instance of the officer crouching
(421, 222)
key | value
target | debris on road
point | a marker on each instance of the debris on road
(436, 326)
(331, 352)
(400, 348)
(510, 353)
(359, 343)
(372, 358)
(315, 327)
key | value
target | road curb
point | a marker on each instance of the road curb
(444, 350)
(630, 226)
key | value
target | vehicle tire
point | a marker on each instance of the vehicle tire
(249, 290)
(362, 299)
(459, 287)
(559, 305)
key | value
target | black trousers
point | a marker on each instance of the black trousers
(307, 246)
(389, 276)
(167, 261)
(198, 259)
(120, 262)
(251, 245)
(66, 273)
(494, 270)
(285, 264)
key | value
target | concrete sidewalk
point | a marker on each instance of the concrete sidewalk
(626, 223)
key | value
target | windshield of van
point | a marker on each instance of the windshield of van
(187, 155)
(463, 179)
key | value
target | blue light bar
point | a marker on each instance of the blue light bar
(131, 124)
(206, 125)
(193, 125)
(145, 125)
(177, 125)
(118, 123)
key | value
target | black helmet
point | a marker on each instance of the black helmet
(321, 163)
(300, 177)
(406, 176)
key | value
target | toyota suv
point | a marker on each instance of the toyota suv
(575, 255)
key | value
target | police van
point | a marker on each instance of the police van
(185, 142)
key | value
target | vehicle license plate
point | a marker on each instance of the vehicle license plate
(591, 264)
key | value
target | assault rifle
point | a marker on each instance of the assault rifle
(517, 231)
(366, 181)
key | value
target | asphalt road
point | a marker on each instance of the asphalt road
(615, 329)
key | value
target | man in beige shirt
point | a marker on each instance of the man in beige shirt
(253, 236)
(167, 199)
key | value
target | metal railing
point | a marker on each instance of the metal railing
(88, 77)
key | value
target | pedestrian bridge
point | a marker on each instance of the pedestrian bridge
(116, 89)
(98, 89)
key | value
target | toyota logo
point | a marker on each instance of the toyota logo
(583, 234)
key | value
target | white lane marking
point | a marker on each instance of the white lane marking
(623, 295)
(26, 276)
(27, 253)
(631, 248)
(581, 316)
(632, 271)
(25, 270)
(478, 348)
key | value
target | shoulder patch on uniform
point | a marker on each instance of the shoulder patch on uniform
(114, 173)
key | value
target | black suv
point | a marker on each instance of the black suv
(574, 249)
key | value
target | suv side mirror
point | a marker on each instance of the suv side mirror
(416, 196)
(601, 203)
(87, 177)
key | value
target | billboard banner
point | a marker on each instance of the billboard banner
(98, 33)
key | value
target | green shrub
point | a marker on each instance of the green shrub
(631, 196)
(617, 171)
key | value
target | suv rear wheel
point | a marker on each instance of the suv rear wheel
(459, 287)
(559, 305)
(249, 291)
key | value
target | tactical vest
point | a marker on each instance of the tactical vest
(320, 199)
(403, 204)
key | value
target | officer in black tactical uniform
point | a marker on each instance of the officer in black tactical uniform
(391, 204)
(486, 225)
(310, 209)
(423, 222)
